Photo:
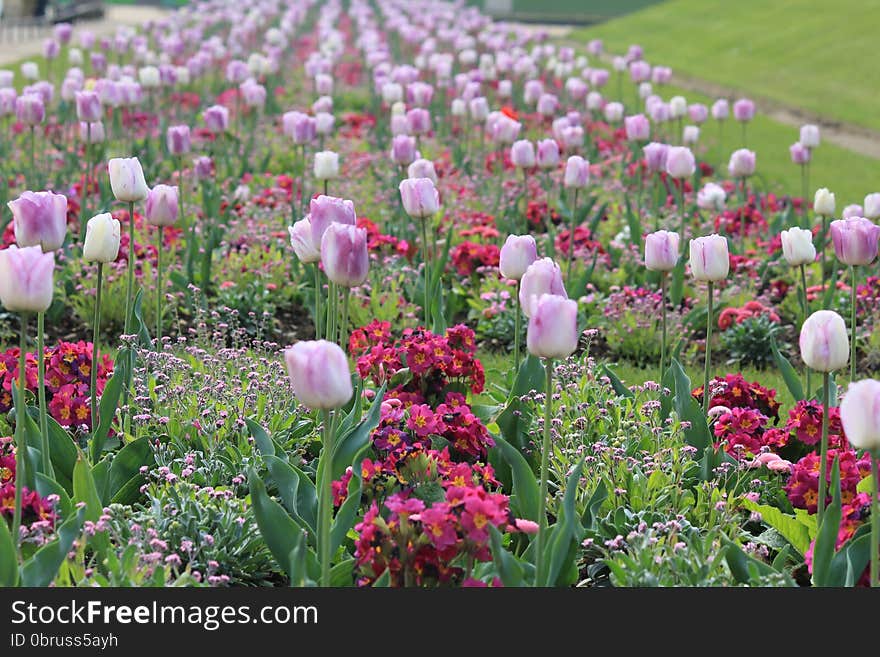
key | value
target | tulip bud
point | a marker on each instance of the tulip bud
(720, 109)
(420, 197)
(851, 211)
(553, 327)
(88, 106)
(323, 84)
(594, 101)
(810, 135)
(161, 207)
(326, 165)
(39, 219)
(127, 179)
(637, 127)
(548, 154)
(860, 415)
(458, 107)
(422, 168)
(547, 104)
(178, 139)
(577, 173)
(102, 239)
(302, 242)
(543, 276)
(149, 78)
(403, 150)
(743, 110)
(30, 70)
(26, 279)
(800, 154)
(872, 206)
(639, 71)
(855, 240)
(698, 113)
(614, 112)
(709, 258)
(518, 252)
(677, 107)
(824, 342)
(30, 109)
(661, 250)
(522, 154)
(319, 374)
(690, 135)
(680, 162)
(479, 109)
(797, 246)
(823, 202)
(742, 163)
(392, 93)
(216, 118)
(344, 254)
(324, 122)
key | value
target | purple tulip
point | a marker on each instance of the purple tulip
(216, 118)
(742, 163)
(63, 32)
(344, 254)
(543, 276)
(161, 206)
(577, 173)
(720, 109)
(30, 109)
(517, 254)
(548, 154)
(326, 210)
(403, 150)
(655, 156)
(92, 133)
(547, 104)
(661, 75)
(639, 71)
(661, 250)
(418, 121)
(88, 106)
(744, 110)
(637, 127)
(800, 154)
(319, 374)
(26, 279)
(422, 168)
(553, 327)
(178, 140)
(855, 240)
(599, 78)
(522, 154)
(852, 210)
(420, 197)
(40, 219)
(203, 167)
(7, 101)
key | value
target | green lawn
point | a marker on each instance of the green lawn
(809, 53)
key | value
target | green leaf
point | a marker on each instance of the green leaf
(792, 529)
(516, 418)
(525, 495)
(342, 574)
(689, 410)
(298, 560)
(348, 511)
(263, 441)
(297, 491)
(676, 286)
(84, 489)
(567, 534)
(866, 485)
(616, 383)
(828, 297)
(789, 375)
(823, 552)
(741, 565)
(8, 557)
(358, 438)
(130, 492)
(109, 403)
(279, 530)
(47, 486)
(43, 566)
(62, 451)
(591, 512)
(127, 464)
(139, 326)
(510, 570)
(383, 581)
(849, 563)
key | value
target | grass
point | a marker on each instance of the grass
(806, 53)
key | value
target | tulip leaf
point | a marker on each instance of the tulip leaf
(689, 410)
(47, 486)
(348, 511)
(127, 463)
(510, 570)
(676, 287)
(109, 403)
(828, 296)
(591, 511)
(296, 490)
(743, 567)
(8, 557)
(616, 383)
(567, 535)
(789, 375)
(280, 531)
(792, 529)
(353, 443)
(525, 495)
(826, 539)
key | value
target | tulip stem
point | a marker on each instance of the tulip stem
(332, 312)
(33, 179)
(326, 186)
(159, 246)
(822, 240)
(325, 506)
(130, 284)
(319, 292)
(41, 394)
(427, 259)
(706, 394)
(679, 189)
(20, 447)
(93, 374)
(804, 190)
(517, 323)
(875, 519)
(852, 323)
(823, 451)
(343, 339)
(805, 309)
(662, 323)
(545, 466)
(571, 227)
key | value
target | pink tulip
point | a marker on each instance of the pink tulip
(800, 154)
(680, 162)
(543, 276)
(301, 241)
(661, 250)
(855, 240)
(851, 211)
(742, 163)
(161, 206)
(420, 197)
(548, 154)
(553, 327)
(860, 415)
(301, 128)
(419, 121)
(823, 341)
(655, 156)
(92, 133)
(178, 140)
(26, 279)
(216, 118)
(319, 374)
(743, 110)
(637, 127)
(30, 109)
(326, 210)
(577, 173)
(88, 106)
(39, 219)
(403, 150)
(720, 109)
(344, 254)
(709, 258)
(698, 113)
(522, 154)
(517, 254)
